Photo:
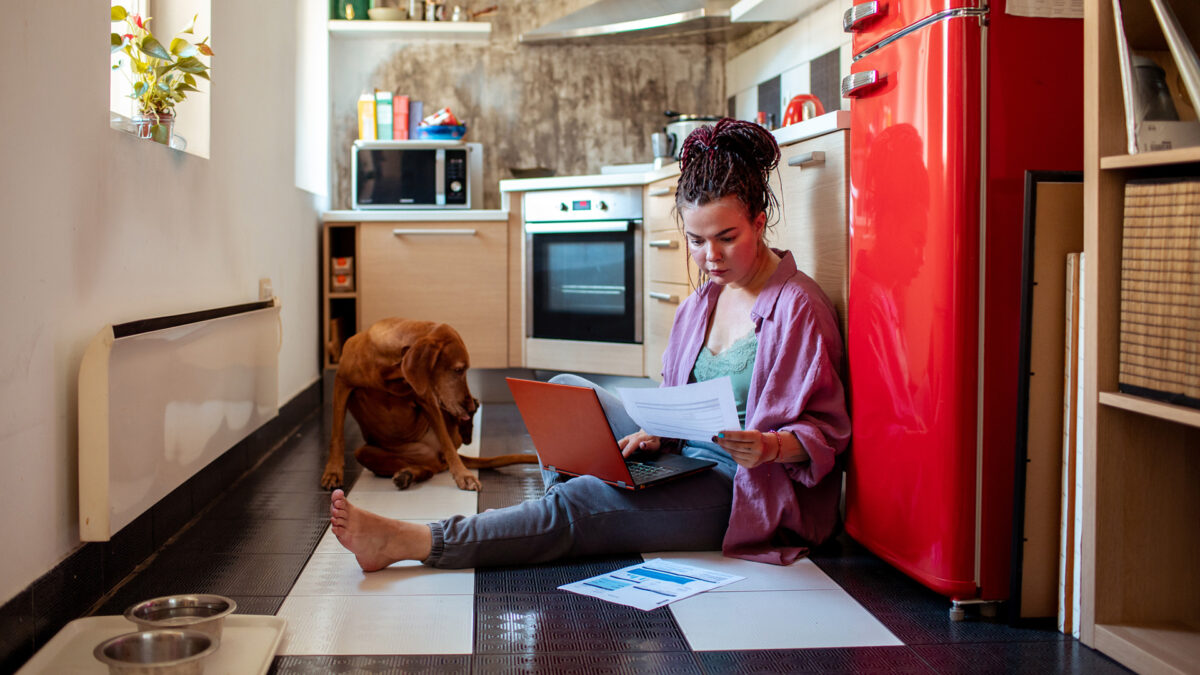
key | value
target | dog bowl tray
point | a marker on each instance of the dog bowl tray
(248, 645)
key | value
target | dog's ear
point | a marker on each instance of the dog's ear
(417, 364)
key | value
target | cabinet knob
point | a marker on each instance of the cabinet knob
(665, 297)
(663, 243)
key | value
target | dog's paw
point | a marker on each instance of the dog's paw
(467, 482)
(331, 479)
(403, 479)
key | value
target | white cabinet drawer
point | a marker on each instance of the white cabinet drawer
(666, 257)
(658, 201)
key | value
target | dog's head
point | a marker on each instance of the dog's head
(436, 366)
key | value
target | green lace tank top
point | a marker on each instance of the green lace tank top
(736, 361)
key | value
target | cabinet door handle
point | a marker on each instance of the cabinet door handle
(859, 13)
(665, 297)
(467, 231)
(663, 243)
(660, 191)
(854, 82)
(814, 157)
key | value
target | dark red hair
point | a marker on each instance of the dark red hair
(730, 157)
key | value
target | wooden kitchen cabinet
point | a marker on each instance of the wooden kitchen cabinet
(339, 308)
(1141, 503)
(812, 186)
(665, 278)
(451, 272)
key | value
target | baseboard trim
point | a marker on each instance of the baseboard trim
(30, 619)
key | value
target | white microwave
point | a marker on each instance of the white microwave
(416, 175)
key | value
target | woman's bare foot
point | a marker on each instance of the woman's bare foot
(375, 541)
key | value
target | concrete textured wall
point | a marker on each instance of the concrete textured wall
(572, 107)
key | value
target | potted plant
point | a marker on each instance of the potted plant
(161, 76)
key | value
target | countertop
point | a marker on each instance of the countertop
(416, 215)
(817, 126)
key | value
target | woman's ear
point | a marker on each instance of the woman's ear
(760, 224)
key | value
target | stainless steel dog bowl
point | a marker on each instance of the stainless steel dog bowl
(205, 613)
(157, 652)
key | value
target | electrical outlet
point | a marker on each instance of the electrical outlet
(265, 291)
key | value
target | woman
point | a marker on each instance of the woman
(755, 318)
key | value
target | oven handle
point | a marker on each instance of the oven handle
(578, 227)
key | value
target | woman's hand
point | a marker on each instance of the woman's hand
(639, 440)
(749, 448)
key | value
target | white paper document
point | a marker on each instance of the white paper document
(651, 584)
(694, 412)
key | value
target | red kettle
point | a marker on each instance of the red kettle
(802, 107)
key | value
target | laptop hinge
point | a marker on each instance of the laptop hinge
(551, 467)
(622, 483)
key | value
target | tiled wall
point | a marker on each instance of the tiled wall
(810, 56)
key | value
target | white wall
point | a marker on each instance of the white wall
(100, 228)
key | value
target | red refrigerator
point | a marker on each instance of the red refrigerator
(951, 101)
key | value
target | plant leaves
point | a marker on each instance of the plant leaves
(117, 43)
(154, 48)
(119, 13)
(189, 79)
(186, 87)
(191, 26)
(190, 64)
(181, 47)
(204, 48)
(139, 89)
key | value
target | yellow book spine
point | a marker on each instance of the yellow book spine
(366, 117)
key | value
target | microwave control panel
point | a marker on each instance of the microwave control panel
(456, 177)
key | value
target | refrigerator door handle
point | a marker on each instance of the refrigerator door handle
(859, 13)
(855, 82)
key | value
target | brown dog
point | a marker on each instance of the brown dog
(405, 382)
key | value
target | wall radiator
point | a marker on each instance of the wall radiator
(161, 398)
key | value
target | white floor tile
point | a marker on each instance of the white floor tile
(434, 499)
(778, 620)
(378, 624)
(337, 574)
(803, 575)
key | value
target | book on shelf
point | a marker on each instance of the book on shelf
(1155, 58)
(366, 117)
(400, 118)
(416, 110)
(383, 115)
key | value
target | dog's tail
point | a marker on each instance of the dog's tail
(493, 462)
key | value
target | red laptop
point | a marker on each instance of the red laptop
(572, 437)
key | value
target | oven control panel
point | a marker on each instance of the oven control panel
(608, 203)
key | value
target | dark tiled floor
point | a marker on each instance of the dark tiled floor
(254, 542)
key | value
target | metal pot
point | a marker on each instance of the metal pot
(681, 125)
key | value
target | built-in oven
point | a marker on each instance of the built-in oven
(584, 264)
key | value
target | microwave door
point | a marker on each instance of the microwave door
(388, 179)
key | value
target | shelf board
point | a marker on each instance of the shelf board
(1145, 406)
(770, 10)
(343, 295)
(1166, 647)
(458, 31)
(1150, 159)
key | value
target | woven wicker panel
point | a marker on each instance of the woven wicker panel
(1160, 290)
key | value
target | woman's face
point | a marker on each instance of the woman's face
(723, 241)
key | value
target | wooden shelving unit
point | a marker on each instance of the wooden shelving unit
(1141, 529)
(338, 240)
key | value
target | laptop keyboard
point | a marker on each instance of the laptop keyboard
(644, 472)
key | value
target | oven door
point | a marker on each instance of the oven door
(585, 281)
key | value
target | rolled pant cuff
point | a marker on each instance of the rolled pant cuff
(438, 547)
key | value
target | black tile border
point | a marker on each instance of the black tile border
(69, 590)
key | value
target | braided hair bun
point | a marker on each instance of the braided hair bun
(731, 157)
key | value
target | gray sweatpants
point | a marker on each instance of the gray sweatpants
(583, 516)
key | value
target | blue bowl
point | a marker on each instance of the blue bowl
(442, 132)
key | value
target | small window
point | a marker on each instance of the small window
(167, 18)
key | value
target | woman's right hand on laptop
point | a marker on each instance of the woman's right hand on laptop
(639, 440)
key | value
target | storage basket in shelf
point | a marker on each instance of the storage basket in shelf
(1160, 291)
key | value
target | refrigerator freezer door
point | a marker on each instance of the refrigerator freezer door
(913, 317)
(870, 21)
